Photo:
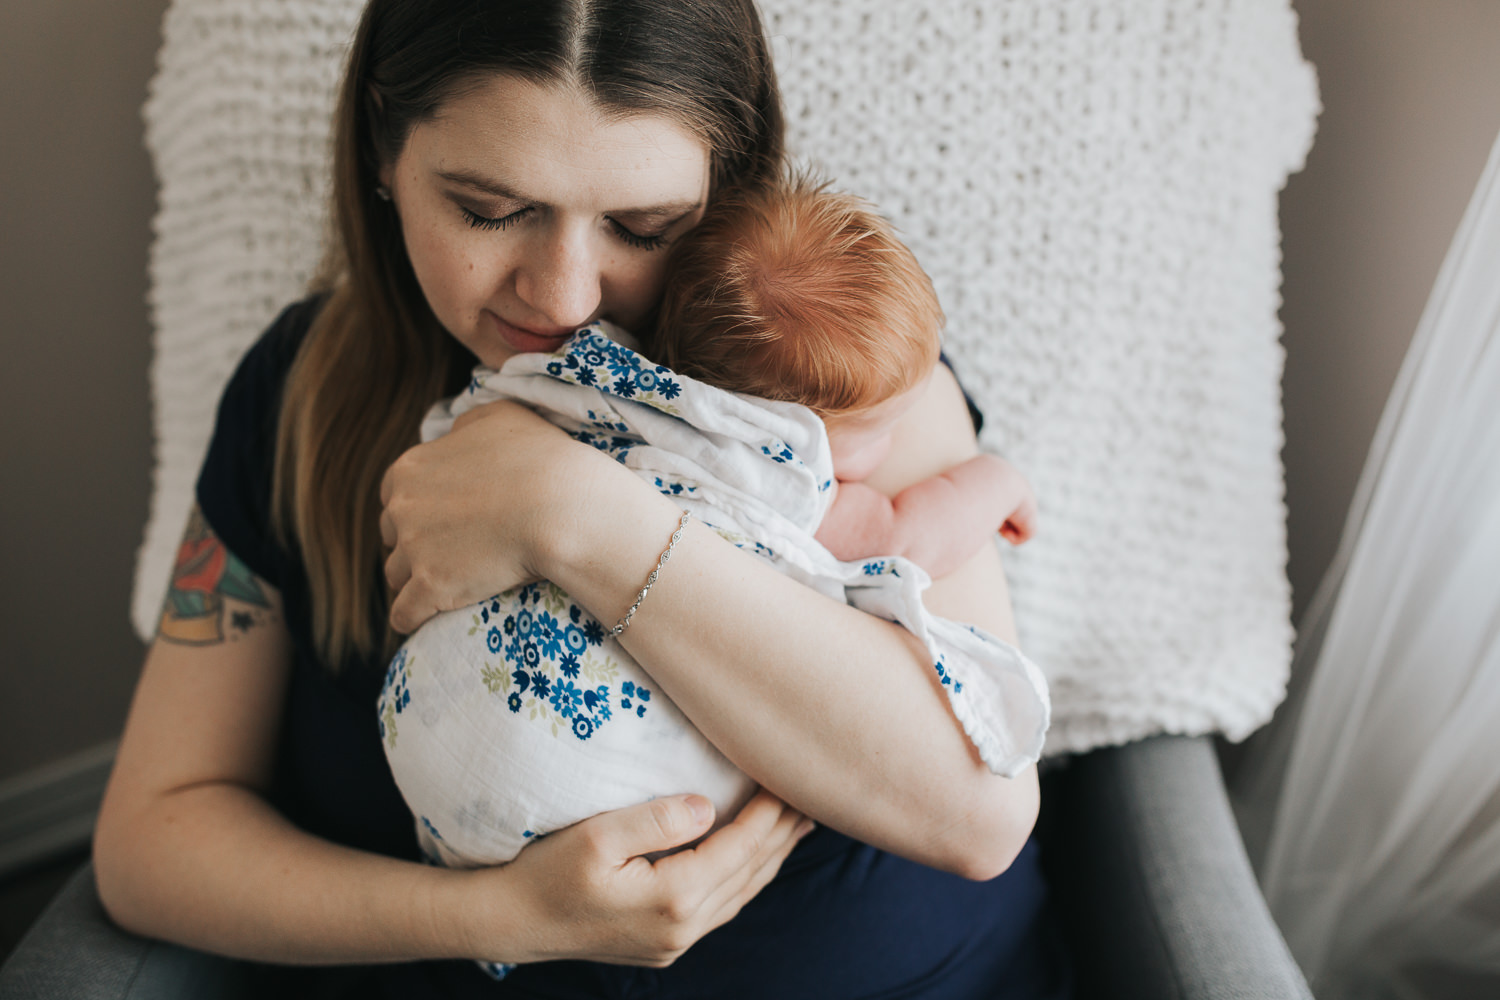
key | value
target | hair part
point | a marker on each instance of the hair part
(792, 291)
(376, 357)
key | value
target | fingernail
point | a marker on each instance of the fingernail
(804, 828)
(701, 808)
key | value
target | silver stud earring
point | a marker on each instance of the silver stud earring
(383, 193)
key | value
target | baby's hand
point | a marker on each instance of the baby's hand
(943, 521)
(1016, 492)
(859, 523)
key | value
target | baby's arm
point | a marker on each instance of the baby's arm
(939, 522)
(860, 522)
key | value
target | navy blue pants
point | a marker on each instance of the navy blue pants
(841, 920)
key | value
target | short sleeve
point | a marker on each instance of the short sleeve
(234, 486)
(975, 413)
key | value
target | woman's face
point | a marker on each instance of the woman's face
(527, 212)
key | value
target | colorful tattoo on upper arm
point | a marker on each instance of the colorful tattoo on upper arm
(206, 573)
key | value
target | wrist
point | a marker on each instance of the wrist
(609, 547)
(479, 914)
(447, 915)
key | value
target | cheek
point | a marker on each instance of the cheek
(453, 279)
(632, 285)
(854, 460)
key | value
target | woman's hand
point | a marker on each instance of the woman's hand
(189, 848)
(471, 513)
(837, 712)
(587, 892)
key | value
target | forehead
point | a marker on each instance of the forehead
(551, 143)
(875, 419)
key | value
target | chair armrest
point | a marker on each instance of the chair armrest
(1155, 896)
(1154, 891)
(75, 952)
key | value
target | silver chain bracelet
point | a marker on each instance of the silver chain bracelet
(666, 554)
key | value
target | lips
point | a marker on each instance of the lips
(522, 340)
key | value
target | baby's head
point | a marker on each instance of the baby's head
(790, 291)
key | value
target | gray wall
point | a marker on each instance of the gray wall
(75, 200)
(1412, 91)
(1411, 94)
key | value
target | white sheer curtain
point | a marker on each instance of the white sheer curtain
(1372, 804)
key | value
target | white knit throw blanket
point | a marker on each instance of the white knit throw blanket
(1092, 186)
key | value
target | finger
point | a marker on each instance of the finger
(397, 570)
(387, 528)
(386, 489)
(1017, 530)
(721, 911)
(733, 847)
(730, 897)
(498, 408)
(764, 810)
(1026, 517)
(468, 417)
(411, 607)
(658, 825)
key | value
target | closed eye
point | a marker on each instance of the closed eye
(631, 238)
(485, 222)
(652, 242)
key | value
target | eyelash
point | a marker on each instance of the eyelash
(485, 222)
(636, 240)
(654, 242)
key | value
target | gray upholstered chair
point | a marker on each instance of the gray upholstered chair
(1154, 892)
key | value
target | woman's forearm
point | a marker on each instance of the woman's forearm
(839, 713)
(835, 711)
(215, 867)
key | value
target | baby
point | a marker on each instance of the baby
(522, 715)
(797, 293)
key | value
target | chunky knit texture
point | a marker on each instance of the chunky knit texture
(1092, 187)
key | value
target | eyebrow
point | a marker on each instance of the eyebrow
(669, 210)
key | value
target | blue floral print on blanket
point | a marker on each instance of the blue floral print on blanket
(593, 359)
(518, 716)
(509, 719)
(554, 669)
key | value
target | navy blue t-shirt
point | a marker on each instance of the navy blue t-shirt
(840, 920)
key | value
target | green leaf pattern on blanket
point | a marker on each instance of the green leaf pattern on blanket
(592, 359)
(554, 668)
(395, 696)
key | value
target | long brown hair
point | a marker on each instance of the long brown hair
(376, 357)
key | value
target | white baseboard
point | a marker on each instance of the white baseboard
(50, 811)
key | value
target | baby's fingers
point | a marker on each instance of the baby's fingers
(1021, 525)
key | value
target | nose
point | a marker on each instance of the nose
(560, 277)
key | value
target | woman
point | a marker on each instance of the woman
(503, 174)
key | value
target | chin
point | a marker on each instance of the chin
(495, 359)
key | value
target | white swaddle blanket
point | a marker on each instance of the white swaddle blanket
(518, 716)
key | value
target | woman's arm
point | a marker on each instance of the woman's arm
(188, 849)
(837, 712)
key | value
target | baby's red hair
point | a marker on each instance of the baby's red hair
(791, 291)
